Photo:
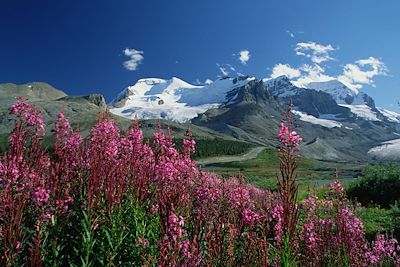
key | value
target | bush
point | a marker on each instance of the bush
(380, 185)
(216, 147)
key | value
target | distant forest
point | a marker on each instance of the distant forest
(217, 147)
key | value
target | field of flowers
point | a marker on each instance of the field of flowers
(116, 200)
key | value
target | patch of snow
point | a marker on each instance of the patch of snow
(388, 149)
(362, 111)
(340, 92)
(281, 86)
(311, 119)
(390, 115)
(172, 99)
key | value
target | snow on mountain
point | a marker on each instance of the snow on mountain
(389, 149)
(390, 115)
(177, 100)
(363, 111)
(281, 86)
(173, 99)
(314, 120)
(340, 92)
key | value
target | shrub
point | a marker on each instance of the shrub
(379, 185)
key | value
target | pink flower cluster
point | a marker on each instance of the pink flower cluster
(41, 196)
(336, 187)
(28, 116)
(383, 250)
(288, 137)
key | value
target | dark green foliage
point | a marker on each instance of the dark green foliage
(217, 147)
(395, 213)
(379, 185)
(125, 235)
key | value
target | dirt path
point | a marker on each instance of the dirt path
(223, 159)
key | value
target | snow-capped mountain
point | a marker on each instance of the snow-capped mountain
(177, 100)
(173, 99)
(341, 93)
(332, 118)
(281, 87)
(331, 131)
(390, 115)
(358, 102)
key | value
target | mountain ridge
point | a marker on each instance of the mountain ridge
(341, 123)
(243, 108)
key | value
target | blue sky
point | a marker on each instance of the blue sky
(81, 46)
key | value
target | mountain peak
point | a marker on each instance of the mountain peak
(281, 86)
(329, 85)
(173, 99)
(340, 92)
(283, 79)
(31, 91)
(180, 83)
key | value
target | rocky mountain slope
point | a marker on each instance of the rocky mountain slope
(83, 112)
(338, 123)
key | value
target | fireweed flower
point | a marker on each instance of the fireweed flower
(310, 203)
(250, 217)
(336, 187)
(41, 196)
(277, 215)
(382, 249)
(287, 137)
(154, 209)
(28, 116)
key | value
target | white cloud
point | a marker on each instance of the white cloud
(285, 69)
(311, 73)
(354, 75)
(291, 34)
(226, 69)
(136, 58)
(362, 72)
(223, 70)
(208, 81)
(316, 52)
(244, 56)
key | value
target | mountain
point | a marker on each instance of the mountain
(83, 112)
(337, 123)
(33, 91)
(316, 103)
(173, 99)
(342, 94)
